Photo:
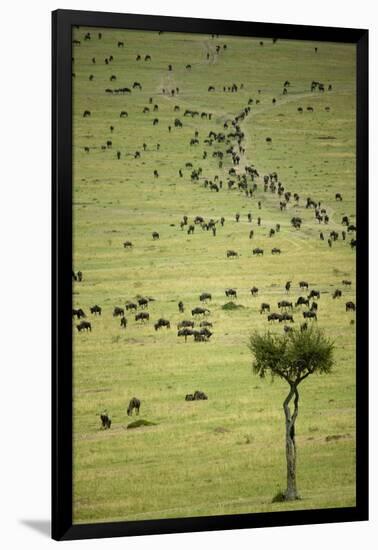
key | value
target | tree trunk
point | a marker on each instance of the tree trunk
(291, 450)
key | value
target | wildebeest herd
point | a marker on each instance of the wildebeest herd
(193, 223)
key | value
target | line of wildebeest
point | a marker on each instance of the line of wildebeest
(222, 146)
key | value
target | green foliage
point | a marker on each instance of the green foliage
(292, 356)
(140, 423)
(230, 306)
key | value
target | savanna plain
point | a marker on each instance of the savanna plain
(226, 454)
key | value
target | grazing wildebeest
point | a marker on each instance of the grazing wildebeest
(142, 316)
(162, 323)
(338, 197)
(321, 236)
(134, 404)
(222, 220)
(79, 313)
(185, 324)
(118, 312)
(96, 309)
(284, 304)
(123, 323)
(196, 396)
(84, 325)
(190, 229)
(120, 44)
(232, 254)
(185, 332)
(314, 294)
(205, 297)
(147, 58)
(202, 335)
(337, 294)
(268, 140)
(353, 243)
(181, 307)
(302, 301)
(123, 114)
(156, 174)
(254, 291)
(350, 306)
(231, 293)
(205, 324)
(264, 307)
(105, 420)
(155, 235)
(276, 251)
(271, 233)
(142, 302)
(258, 252)
(346, 282)
(303, 284)
(137, 85)
(287, 286)
(345, 220)
(118, 155)
(200, 311)
(286, 317)
(274, 317)
(314, 306)
(251, 233)
(86, 114)
(351, 228)
(237, 217)
(131, 305)
(310, 315)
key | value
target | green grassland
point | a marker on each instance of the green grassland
(224, 455)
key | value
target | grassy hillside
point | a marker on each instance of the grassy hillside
(224, 455)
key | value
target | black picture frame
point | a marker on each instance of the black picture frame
(62, 524)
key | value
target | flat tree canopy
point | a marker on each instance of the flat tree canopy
(292, 357)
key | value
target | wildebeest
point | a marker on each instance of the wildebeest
(127, 244)
(131, 305)
(346, 282)
(202, 335)
(205, 324)
(96, 309)
(286, 317)
(258, 252)
(84, 325)
(304, 326)
(231, 254)
(303, 284)
(185, 332)
(142, 302)
(274, 317)
(205, 297)
(79, 313)
(200, 311)
(287, 286)
(196, 396)
(134, 404)
(254, 291)
(181, 307)
(350, 306)
(155, 235)
(264, 307)
(337, 294)
(142, 316)
(314, 294)
(276, 251)
(79, 276)
(288, 329)
(118, 312)
(105, 420)
(231, 293)
(162, 323)
(284, 304)
(338, 197)
(185, 323)
(302, 301)
(310, 315)
(123, 322)
(86, 114)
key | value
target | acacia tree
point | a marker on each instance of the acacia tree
(292, 357)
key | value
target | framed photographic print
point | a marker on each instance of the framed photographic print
(210, 302)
